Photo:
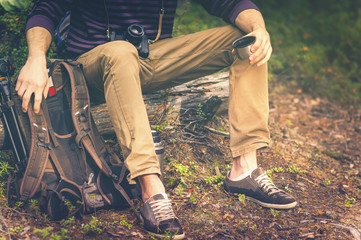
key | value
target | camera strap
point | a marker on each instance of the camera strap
(161, 14)
(160, 23)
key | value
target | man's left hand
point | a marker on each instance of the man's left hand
(261, 50)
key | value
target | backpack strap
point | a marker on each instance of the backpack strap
(81, 115)
(126, 197)
(57, 149)
(38, 157)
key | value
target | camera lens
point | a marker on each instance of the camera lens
(136, 30)
(135, 33)
(4, 68)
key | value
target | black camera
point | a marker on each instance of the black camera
(135, 35)
(5, 68)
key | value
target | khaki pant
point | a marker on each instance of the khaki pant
(114, 70)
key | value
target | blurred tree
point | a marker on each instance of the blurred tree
(14, 5)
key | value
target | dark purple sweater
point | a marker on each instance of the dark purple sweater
(89, 17)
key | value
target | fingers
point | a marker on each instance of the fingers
(261, 49)
(26, 97)
(24, 93)
(267, 57)
(257, 52)
(46, 90)
(32, 81)
(37, 100)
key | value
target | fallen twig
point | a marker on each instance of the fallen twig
(352, 230)
(212, 130)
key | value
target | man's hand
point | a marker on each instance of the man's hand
(251, 22)
(33, 79)
(261, 50)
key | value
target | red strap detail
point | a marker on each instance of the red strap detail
(52, 91)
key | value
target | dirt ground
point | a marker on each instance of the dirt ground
(315, 155)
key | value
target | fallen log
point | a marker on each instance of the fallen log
(177, 99)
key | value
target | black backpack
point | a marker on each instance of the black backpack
(69, 170)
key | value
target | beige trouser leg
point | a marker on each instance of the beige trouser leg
(115, 70)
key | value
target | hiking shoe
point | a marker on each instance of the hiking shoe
(159, 219)
(259, 188)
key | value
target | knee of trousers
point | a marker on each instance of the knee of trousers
(232, 32)
(228, 34)
(118, 53)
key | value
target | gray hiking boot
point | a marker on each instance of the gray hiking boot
(159, 219)
(259, 188)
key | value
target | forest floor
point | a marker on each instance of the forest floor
(315, 155)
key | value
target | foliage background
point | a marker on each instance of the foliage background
(316, 44)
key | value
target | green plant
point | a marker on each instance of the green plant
(34, 206)
(193, 198)
(288, 189)
(243, 223)
(18, 205)
(183, 170)
(45, 218)
(93, 227)
(215, 180)
(254, 227)
(242, 198)
(16, 230)
(161, 126)
(180, 190)
(43, 233)
(68, 222)
(274, 212)
(125, 224)
(199, 112)
(5, 169)
(47, 233)
(69, 206)
(350, 201)
(294, 169)
(193, 165)
(64, 233)
(327, 182)
(276, 169)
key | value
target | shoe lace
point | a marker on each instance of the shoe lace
(265, 182)
(162, 210)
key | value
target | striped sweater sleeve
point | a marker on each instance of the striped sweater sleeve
(227, 9)
(47, 14)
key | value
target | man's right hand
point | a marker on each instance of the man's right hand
(33, 79)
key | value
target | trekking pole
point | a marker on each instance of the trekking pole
(8, 116)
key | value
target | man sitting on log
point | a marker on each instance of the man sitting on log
(120, 70)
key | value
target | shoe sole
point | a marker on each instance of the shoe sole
(272, 205)
(175, 237)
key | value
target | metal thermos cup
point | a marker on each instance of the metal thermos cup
(242, 46)
(159, 148)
